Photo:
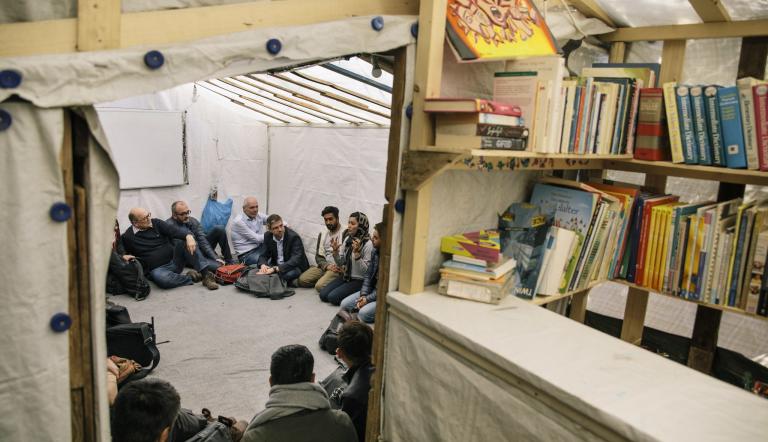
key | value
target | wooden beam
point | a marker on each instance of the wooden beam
(634, 315)
(618, 52)
(340, 89)
(429, 68)
(704, 339)
(710, 10)
(579, 306)
(98, 24)
(672, 55)
(413, 255)
(260, 103)
(240, 103)
(171, 26)
(590, 8)
(420, 168)
(752, 57)
(282, 99)
(749, 28)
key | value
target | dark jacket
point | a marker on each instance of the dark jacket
(371, 278)
(354, 399)
(193, 226)
(293, 252)
(305, 426)
(152, 247)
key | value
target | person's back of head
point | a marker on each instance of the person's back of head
(356, 342)
(291, 364)
(144, 411)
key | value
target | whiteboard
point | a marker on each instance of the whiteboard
(147, 146)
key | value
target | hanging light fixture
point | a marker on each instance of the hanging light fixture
(376, 69)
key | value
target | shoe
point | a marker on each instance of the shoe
(209, 282)
(195, 275)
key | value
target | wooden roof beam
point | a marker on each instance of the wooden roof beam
(710, 10)
(340, 89)
(240, 103)
(590, 8)
(732, 29)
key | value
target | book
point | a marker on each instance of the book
(687, 134)
(560, 246)
(680, 215)
(700, 128)
(482, 244)
(740, 237)
(466, 123)
(673, 123)
(491, 292)
(712, 115)
(630, 196)
(479, 142)
(645, 225)
(481, 271)
(497, 31)
(501, 131)
(470, 260)
(523, 238)
(471, 105)
(758, 227)
(569, 107)
(652, 142)
(655, 68)
(730, 122)
(760, 100)
(744, 86)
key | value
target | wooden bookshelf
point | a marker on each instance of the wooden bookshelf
(722, 174)
(541, 300)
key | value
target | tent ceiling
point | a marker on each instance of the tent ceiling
(310, 95)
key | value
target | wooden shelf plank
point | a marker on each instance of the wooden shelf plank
(723, 174)
(541, 300)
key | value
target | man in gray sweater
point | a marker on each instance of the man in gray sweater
(297, 409)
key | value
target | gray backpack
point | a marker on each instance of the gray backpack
(263, 286)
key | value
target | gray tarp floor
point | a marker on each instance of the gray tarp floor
(221, 342)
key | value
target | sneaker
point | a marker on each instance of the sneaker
(195, 275)
(209, 282)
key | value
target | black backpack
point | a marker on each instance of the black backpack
(126, 278)
(330, 337)
(135, 341)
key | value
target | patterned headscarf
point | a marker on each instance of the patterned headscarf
(361, 234)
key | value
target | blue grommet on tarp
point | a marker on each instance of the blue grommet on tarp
(377, 23)
(409, 110)
(274, 46)
(400, 206)
(154, 59)
(60, 322)
(5, 120)
(60, 212)
(10, 79)
(415, 30)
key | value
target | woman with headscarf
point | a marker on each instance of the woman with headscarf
(354, 256)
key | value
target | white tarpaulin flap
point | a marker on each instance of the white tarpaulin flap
(96, 77)
(502, 372)
(314, 167)
(34, 393)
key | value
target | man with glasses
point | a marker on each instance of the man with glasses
(204, 259)
(150, 240)
(248, 231)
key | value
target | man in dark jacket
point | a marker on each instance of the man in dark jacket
(297, 409)
(354, 348)
(285, 252)
(180, 217)
(150, 240)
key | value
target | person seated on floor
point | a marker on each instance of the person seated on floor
(365, 299)
(150, 240)
(326, 269)
(355, 344)
(207, 242)
(150, 410)
(354, 256)
(284, 252)
(297, 409)
(248, 230)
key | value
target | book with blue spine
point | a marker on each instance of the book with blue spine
(577, 104)
(687, 133)
(712, 109)
(730, 122)
(700, 125)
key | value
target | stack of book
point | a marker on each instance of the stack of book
(477, 124)
(477, 270)
(719, 126)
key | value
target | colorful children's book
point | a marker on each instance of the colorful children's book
(483, 244)
(482, 31)
(523, 238)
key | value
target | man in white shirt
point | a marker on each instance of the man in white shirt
(247, 231)
(326, 269)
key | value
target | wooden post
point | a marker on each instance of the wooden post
(579, 306)
(634, 315)
(704, 338)
(385, 250)
(98, 24)
(415, 229)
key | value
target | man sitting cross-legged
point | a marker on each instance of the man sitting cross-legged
(150, 240)
(248, 230)
(297, 409)
(180, 217)
(284, 252)
(326, 270)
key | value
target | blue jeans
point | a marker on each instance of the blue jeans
(218, 237)
(252, 256)
(197, 260)
(169, 276)
(338, 289)
(290, 275)
(366, 314)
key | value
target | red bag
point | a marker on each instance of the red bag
(229, 274)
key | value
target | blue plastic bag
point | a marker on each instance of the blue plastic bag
(216, 214)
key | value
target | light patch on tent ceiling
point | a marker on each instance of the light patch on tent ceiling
(746, 9)
(636, 13)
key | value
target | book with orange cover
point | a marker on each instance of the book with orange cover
(482, 30)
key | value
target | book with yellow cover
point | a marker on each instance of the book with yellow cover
(650, 255)
(483, 244)
(482, 30)
(673, 123)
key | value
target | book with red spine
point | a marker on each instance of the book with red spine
(651, 141)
